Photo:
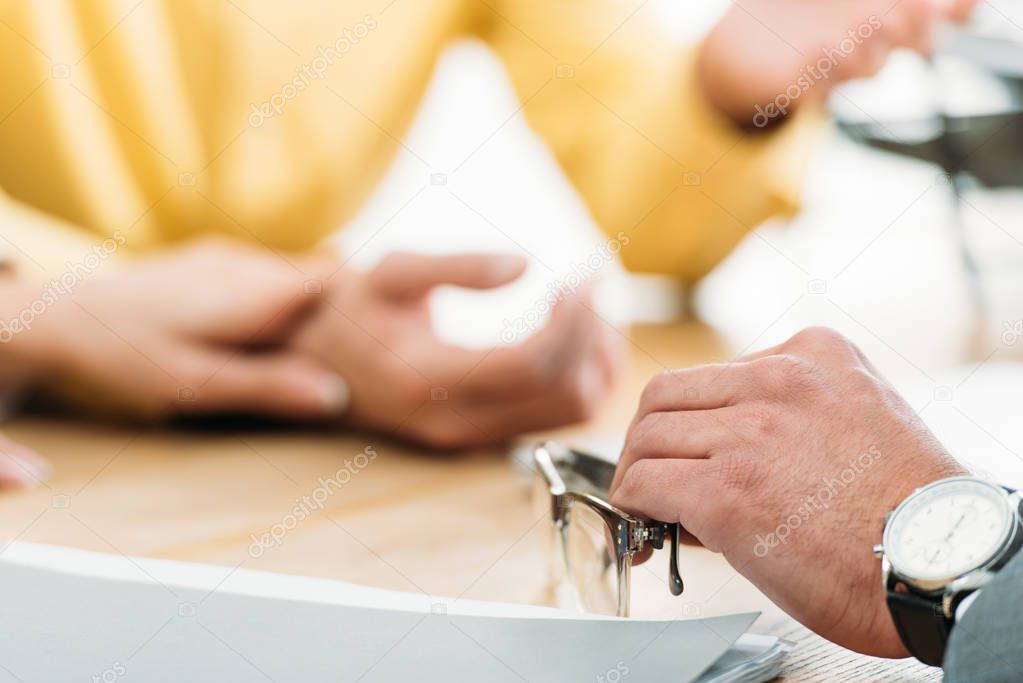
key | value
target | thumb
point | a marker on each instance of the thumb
(404, 275)
(281, 384)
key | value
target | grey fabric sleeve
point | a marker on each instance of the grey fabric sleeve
(987, 645)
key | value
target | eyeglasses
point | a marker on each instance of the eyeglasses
(593, 543)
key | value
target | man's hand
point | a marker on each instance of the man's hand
(786, 462)
(375, 331)
(767, 57)
(196, 329)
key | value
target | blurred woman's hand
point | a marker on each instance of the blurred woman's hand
(375, 330)
(195, 329)
(765, 58)
(223, 327)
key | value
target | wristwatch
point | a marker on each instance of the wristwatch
(940, 545)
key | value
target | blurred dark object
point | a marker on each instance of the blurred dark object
(982, 148)
(986, 146)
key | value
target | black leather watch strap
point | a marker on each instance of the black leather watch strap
(922, 626)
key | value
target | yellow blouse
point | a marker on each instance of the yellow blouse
(157, 120)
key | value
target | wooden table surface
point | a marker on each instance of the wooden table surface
(408, 520)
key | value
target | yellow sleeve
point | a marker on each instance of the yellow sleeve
(42, 248)
(621, 109)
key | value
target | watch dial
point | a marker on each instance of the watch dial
(947, 529)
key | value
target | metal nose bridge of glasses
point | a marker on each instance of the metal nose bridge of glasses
(588, 480)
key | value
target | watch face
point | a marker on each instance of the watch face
(948, 529)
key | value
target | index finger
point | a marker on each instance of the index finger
(669, 491)
(703, 387)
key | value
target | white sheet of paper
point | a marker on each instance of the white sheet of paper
(71, 615)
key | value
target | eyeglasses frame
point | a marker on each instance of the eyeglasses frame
(630, 534)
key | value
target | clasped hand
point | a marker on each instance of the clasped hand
(218, 326)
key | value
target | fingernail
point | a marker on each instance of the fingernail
(334, 394)
(29, 470)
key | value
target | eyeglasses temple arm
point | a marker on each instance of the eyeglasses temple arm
(675, 584)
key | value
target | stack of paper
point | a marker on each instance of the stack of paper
(74, 615)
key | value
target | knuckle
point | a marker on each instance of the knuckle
(640, 437)
(631, 455)
(862, 378)
(819, 339)
(634, 482)
(785, 374)
(763, 423)
(660, 385)
(651, 389)
(861, 384)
